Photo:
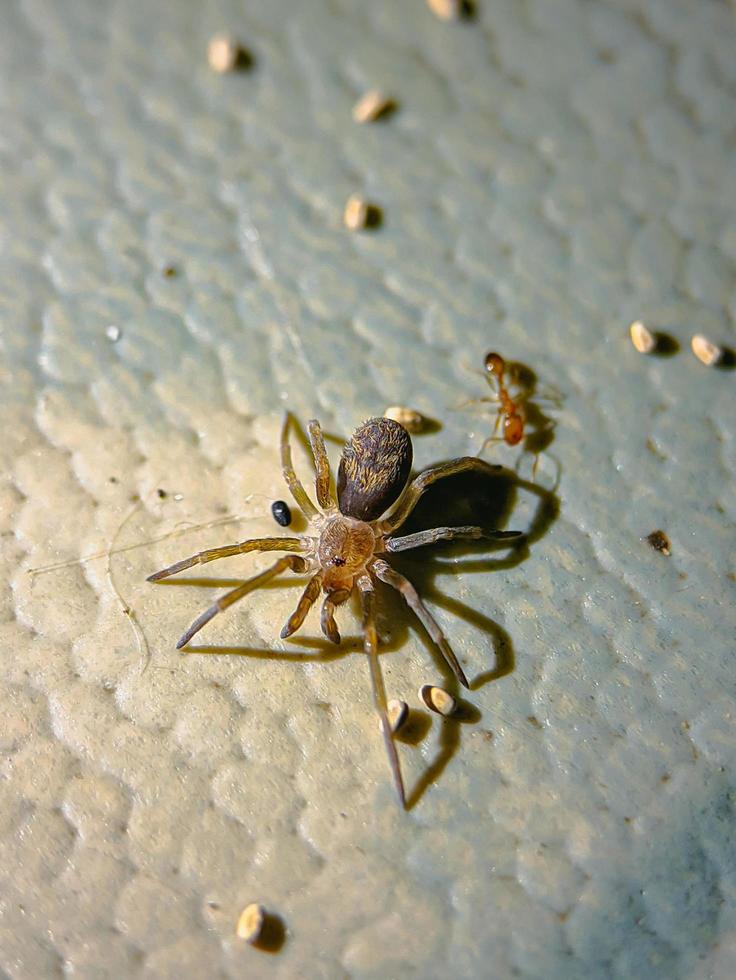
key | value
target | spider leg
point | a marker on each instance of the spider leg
(420, 483)
(418, 540)
(294, 562)
(329, 627)
(397, 581)
(307, 600)
(227, 551)
(324, 498)
(370, 645)
(292, 480)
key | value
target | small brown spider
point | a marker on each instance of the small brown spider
(349, 542)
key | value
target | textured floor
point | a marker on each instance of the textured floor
(556, 168)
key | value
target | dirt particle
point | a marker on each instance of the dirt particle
(660, 542)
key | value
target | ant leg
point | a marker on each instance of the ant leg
(294, 562)
(370, 645)
(473, 401)
(227, 551)
(488, 441)
(324, 498)
(419, 484)
(329, 627)
(391, 577)
(292, 480)
(421, 538)
(307, 600)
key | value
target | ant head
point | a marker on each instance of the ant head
(494, 364)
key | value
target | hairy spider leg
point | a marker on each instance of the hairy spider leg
(325, 498)
(292, 480)
(327, 618)
(227, 551)
(294, 562)
(370, 646)
(307, 600)
(397, 581)
(419, 484)
(421, 538)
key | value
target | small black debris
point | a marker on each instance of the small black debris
(281, 512)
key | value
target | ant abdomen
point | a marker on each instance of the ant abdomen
(513, 429)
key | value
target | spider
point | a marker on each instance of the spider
(348, 542)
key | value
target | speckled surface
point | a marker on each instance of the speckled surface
(556, 168)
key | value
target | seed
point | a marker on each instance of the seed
(372, 106)
(660, 542)
(250, 923)
(641, 338)
(225, 54)
(356, 212)
(412, 420)
(360, 214)
(705, 350)
(437, 699)
(281, 512)
(113, 333)
(446, 9)
(397, 712)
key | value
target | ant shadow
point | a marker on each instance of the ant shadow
(466, 498)
(541, 424)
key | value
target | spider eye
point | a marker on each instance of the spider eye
(374, 468)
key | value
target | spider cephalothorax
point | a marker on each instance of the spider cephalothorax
(348, 541)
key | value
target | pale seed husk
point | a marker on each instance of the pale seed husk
(250, 923)
(642, 338)
(705, 350)
(412, 420)
(438, 699)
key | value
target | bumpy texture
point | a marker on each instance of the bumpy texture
(556, 169)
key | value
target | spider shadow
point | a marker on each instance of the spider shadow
(468, 498)
(323, 651)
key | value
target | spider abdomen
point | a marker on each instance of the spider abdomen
(374, 468)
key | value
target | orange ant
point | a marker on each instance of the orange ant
(511, 411)
(518, 413)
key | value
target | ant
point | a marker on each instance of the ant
(520, 413)
(509, 410)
